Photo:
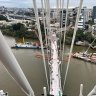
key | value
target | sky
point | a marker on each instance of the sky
(28, 3)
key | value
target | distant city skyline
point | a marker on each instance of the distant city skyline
(28, 3)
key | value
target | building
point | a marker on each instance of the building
(52, 13)
(2, 9)
(72, 15)
(62, 20)
(93, 30)
(90, 14)
(55, 13)
(85, 14)
(94, 14)
(81, 21)
(84, 18)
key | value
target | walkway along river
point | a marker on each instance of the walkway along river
(79, 72)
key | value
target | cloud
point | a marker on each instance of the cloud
(16, 3)
(28, 3)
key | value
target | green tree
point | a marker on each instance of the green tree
(3, 18)
(19, 30)
(90, 22)
(89, 37)
(17, 26)
(68, 38)
(79, 35)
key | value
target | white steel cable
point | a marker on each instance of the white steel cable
(47, 5)
(60, 4)
(73, 39)
(44, 27)
(61, 20)
(57, 8)
(45, 31)
(65, 30)
(43, 17)
(50, 35)
(41, 42)
(12, 66)
(58, 20)
(62, 14)
(48, 15)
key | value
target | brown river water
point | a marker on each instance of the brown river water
(79, 72)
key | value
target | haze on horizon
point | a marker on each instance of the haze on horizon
(28, 3)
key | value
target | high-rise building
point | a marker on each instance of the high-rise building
(84, 17)
(62, 18)
(81, 21)
(85, 13)
(94, 14)
(94, 30)
(90, 14)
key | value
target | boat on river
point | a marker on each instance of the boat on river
(27, 45)
(85, 56)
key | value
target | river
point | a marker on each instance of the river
(79, 72)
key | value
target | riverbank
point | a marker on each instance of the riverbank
(20, 30)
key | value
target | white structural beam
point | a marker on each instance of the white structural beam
(44, 90)
(55, 80)
(11, 64)
(81, 90)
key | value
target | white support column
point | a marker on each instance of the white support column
(44, 90)
(81, 90)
